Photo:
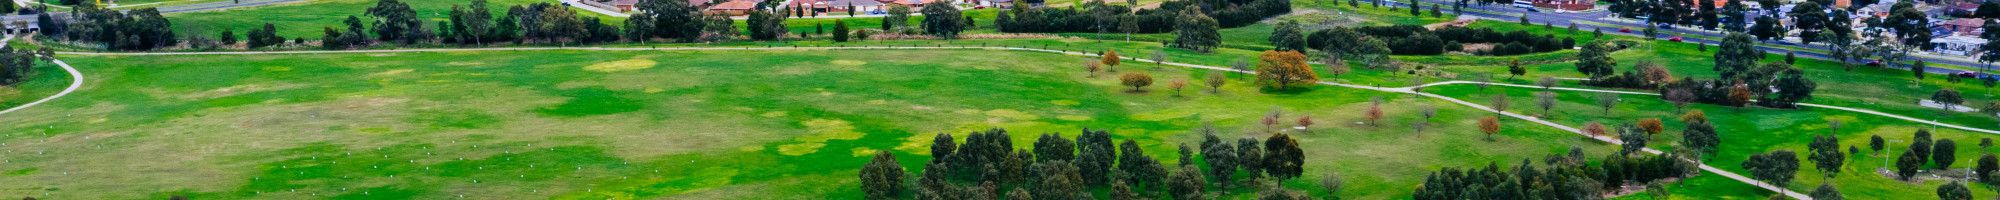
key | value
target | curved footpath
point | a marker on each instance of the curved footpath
(78, 81)
(75, 81)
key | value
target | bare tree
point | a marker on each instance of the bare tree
(1547, 101)
(1680, 97)
(1215, 81)
(1546, 83)
(1499, 104)
(1428, 113)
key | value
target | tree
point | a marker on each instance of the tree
(1052, 147)
(1921, 144)
(1196, 31)
(1906, 165)
(1374, 115)
(1514, 69)
(1092, 67)
(1288, 37)
(1680, 97)
(1917, 69)
(1060, 180)
(840, 30)
(899, 17)
(1651, 126)
(1826, 154)
(1546, 100)
(1606, 101)
(1337, 66)
(1123, 191)
(1490, 125)
(395, 21)
(1428, 113)
(1990, 52)
(1138, 81)
(1185, 185)
(765, 25)
(1739, 95)
(1595, 129)
(1737, 55)
(1111, 60)
(1948, 97)
(1222, 162)
(1177, 85)
(1283, 69)
(1249, 158)
(1499, 104)
(1095, 155)
(941, 148)
(1595, 60)
(228, 37)
(1777, 167)
(1701, 136)
(1954, 191)
(1986, 166)
(1875, 143)
(943, 20)
(1944, 153)
(1215, 80)
(1634, 140)
(1283, 159)
(1826, 192)
(882, 178)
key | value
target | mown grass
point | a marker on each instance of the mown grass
(45, 79)
(791, 124)
(307, 19)
(1746, 131)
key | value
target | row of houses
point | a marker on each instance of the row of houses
(742, 7)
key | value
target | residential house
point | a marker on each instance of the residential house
(913, 4)
(1961, 45)
(733, 7)
(1964, 26)
(618, 5)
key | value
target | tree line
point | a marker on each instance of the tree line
(986, 164)
(1567, 176)
(1417, 40)
(1099, 17)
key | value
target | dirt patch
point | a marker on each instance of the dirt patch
(622, 65)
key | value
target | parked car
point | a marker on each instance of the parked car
(1967, 74)
(1675, 38)
(1625, 30)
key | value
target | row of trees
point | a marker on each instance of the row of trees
(1060, 168)
(1566, 177)
(1099, 17)
(140, 29)
(1417, 40)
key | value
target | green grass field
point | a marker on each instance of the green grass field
(590, 124)
(307, 19)
(796, 124)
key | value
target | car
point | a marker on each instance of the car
(1874, 63)
(1967, 74)
(1625, 30)
(1675, 39)
(978, 7)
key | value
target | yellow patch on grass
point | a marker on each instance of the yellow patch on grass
(849, 62)
(392, 72)
(1011, 114)
(863, 152)
(1065, 102)
(1074, 117)
(622, 65)
(800, 148)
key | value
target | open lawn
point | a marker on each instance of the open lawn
(597, 124)
(307, 19)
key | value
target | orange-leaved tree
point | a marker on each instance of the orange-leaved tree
(1284, 69)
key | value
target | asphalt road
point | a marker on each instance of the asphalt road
(1507, 12)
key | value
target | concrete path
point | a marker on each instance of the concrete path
(76, 81)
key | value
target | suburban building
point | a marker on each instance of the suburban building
(913, 4)
(733, 7)
(1964, 26)
(1570, 5)
(1961, 45)
(618, 5)
(842, 6)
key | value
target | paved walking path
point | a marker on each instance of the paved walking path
(76, 81)
(1405, 90)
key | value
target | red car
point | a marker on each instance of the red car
(1625, 30)
(1675, 39)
